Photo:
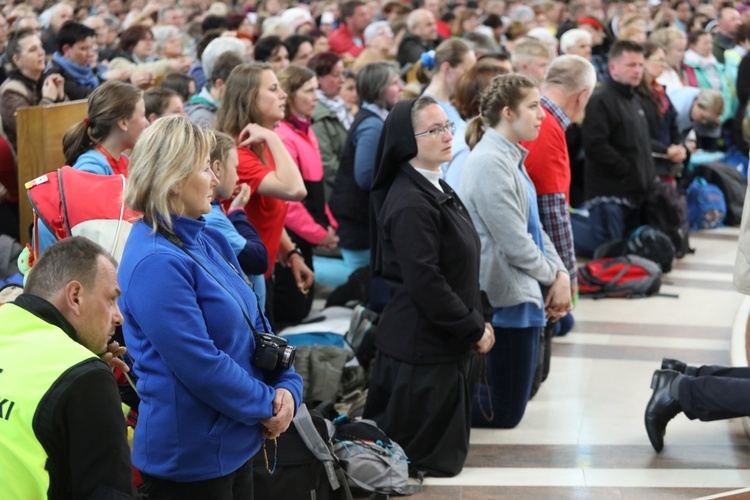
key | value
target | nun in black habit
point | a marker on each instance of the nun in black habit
(427, 250)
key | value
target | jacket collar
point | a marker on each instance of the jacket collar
(503, 146)
(45, 311)
(622, 88)
(188, 230)
(425, 185)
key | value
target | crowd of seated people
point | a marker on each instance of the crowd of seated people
(438, 147)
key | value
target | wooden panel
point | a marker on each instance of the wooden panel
(40, 132)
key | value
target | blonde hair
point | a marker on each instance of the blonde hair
(503, 91)
(224, 144)
(527, 50)
(666, 37)
(710, 100)
(167, 152)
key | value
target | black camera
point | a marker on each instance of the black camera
(272, 352)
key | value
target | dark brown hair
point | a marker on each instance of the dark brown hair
(109, 103)
(470, 86)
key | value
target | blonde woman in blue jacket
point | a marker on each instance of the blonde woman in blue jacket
(190, 324)
(525, 280)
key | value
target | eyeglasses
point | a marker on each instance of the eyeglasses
(434, 132)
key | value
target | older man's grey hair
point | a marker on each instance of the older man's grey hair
(161, 34)
(570, 73)
(571, 37)
(218, 47)
(415, 16)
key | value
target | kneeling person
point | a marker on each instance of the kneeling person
(62, 432)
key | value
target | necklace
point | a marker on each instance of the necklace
(275, 453)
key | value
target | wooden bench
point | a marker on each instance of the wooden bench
(40, 132)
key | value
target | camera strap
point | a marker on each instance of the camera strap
(176, 241)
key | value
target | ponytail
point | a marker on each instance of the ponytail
(423, 68)
(108, 104)
(76, 141)
(474, 131)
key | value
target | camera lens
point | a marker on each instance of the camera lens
(287, 357)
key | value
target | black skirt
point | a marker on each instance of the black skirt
(426, 409)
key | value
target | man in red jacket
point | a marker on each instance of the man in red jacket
(566, 89)
(348, 37)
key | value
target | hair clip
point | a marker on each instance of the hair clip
(428, 59)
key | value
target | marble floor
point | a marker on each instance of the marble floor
(583, 434)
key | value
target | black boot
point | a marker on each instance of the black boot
(662, 407)
(673, 364)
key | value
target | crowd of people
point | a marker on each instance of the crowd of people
(464, 153)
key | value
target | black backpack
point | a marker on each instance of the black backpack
(666, 210)
(647, 242)
(652, 244)
(303, 465)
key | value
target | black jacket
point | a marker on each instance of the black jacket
(617, 144)
(412, 47)
(349, 203)
(430, 258)
(426, 248)
(662, 128)
(743, 93)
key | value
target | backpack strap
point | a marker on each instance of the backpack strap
(309, 435)
(613, 281)
(122, 216)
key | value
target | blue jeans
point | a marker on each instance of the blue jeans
(330, 271)
(606, 222)
(504, 384)
(354, 259)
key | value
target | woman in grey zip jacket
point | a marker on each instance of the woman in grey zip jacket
(525, 279)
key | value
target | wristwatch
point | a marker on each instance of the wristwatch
(292, 252)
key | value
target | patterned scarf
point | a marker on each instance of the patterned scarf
(338, 107)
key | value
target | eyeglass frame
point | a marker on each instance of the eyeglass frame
(438, 131)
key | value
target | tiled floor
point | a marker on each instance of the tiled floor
(583, 434)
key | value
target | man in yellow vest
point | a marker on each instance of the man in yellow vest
(62, 431)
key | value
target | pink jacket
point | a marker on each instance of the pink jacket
(305, 152)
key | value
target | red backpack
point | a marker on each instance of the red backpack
(75, 203)
(629, 277)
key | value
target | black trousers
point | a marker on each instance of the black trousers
(426, 409)
(9, 220)
(290, 306)
(235, 486)
(715, 393)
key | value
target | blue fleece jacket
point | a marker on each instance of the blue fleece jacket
(93, 161)
(201, 398)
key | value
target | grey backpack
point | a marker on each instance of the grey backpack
(372, 461)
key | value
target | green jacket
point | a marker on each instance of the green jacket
(703, 82)
(331, 136)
